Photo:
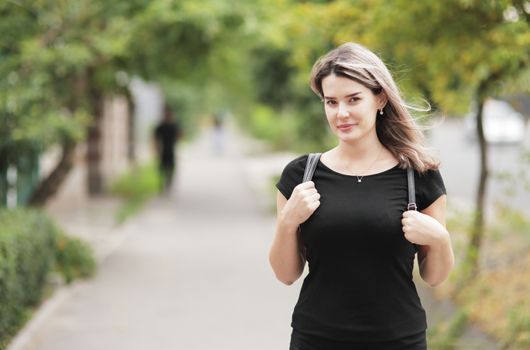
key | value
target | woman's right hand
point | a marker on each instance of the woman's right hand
(303, 202)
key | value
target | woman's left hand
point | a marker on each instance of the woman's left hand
(422, 229)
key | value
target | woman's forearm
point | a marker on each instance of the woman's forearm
(437, 260)
(285, 257)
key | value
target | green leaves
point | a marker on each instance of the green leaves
(54, 54)
(448, 48)
(52, 51)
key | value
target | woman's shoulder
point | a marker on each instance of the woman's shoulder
(429, 178)
(430, 174)
(297, 163)
(429, 187)
(292, 175)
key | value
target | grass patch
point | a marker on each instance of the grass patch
(497, 298)
(135, 187)
(445, 335)
(497, 301)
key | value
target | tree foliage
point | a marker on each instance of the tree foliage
(443, 51)
(57, 56)
(58, 59)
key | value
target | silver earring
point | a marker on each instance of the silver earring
(381, 111)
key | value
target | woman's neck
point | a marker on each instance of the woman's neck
(359, 151)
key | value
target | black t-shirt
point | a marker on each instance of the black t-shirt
(166, 133)
(359, 286)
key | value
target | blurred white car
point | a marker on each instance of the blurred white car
(502, 124)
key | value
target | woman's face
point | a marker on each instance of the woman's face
(351, 108)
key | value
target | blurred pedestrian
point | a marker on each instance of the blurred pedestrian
(166, 135)
(351, 223)
(218, 133)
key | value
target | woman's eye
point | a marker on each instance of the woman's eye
(331, 102)
(354, 99)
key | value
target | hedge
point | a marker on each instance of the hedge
(31, 246)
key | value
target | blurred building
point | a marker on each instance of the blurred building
(521, 102)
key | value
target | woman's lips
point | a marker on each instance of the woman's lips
(345, 127)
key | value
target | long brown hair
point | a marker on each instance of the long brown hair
(396, 128)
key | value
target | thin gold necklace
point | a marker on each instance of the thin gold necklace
(360, 178)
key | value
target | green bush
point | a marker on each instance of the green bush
(299, 131)
(135, 187)
(30, 247)
(27, 250)
(74, 258)
(279, 129)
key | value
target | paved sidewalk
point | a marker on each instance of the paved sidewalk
(192, 273)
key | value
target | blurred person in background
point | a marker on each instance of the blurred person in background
(352, 224)
(166, 135)
(218, 132)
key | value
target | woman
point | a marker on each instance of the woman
(351, 224)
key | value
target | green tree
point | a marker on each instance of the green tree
(60, 60)
(35, 112)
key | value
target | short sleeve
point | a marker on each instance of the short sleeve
(429, 187)
(292, 175)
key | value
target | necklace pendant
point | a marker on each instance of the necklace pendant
(359, 180)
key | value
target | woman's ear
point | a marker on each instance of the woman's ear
(383, 99)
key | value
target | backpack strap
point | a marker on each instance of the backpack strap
(310, 166)
(412, 190)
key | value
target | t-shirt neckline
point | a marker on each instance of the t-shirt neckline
(356, 176)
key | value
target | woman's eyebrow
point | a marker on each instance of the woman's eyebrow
(350, 95)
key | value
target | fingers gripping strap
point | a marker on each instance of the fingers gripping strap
(311, 165)
(412, 190)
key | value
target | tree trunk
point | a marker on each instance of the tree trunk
(477, 231)
(4, 186)
(94, 144)
(49, 187)
(131, 151)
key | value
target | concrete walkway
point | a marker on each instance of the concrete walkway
(189, 272)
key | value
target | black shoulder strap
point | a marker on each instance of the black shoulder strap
(412, 190)
(310, 166)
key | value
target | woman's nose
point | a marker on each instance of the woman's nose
(342, 110)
